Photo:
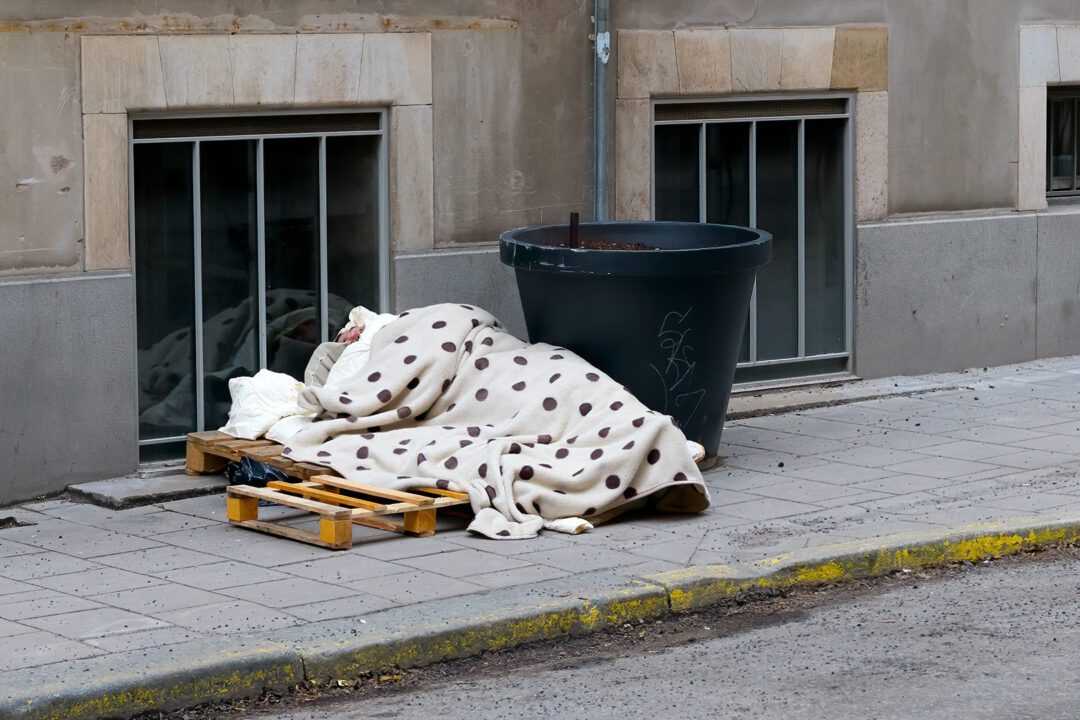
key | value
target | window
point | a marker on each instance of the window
(1061, 166)
(783, 166)
(253, 237)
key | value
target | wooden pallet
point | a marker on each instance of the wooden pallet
(339, 503)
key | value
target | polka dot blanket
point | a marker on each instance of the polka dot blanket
(533, 433)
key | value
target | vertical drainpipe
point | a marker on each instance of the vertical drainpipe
(601, 109)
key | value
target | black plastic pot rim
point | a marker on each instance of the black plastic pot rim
(717, 259)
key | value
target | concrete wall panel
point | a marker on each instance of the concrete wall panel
(944, 295)
(472, 276)
(1059, 282)
(67, 382)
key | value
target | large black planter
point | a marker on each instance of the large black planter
(667, 323)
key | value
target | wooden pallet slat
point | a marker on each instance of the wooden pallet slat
(372, 490)
(317, 490)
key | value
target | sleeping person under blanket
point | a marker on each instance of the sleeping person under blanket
(443, 396)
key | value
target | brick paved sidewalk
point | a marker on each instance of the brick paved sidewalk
(84, 581)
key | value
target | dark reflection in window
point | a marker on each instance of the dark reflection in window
(165, 287)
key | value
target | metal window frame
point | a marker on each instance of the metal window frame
(848, 200)
(383, 238)
(1057, 95)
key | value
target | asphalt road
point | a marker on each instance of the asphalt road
(992, 641)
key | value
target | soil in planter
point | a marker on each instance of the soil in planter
(607, 245)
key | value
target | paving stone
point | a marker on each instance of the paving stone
(733, 478)
(1033, 502)
(768, 509)
(96, 582)
(871, 456)
(881, 528)
(270, 551)
(582, 559)
(679, 551)
(1071, 427)
(11, 549)
(286, 593)
(211, 507)
(418, 586)
(520, 576)
(9, 628)
(813, 426)
(776, 463)
(87, 514)
(841, 473)
(547, 540)
(1052, 443)
(1032, 459)
(721, 497)
(343, 567)
(902, 484)
(905, 440)
(81, 540)
(42, 604)
(928, 424)
(984, 397)
(144, 639)
(231, 617)
(40, 648)
(216, 576)
(158, 523)
(345, 607)
(166, 557)
(940, 467)
(28, 567)
(95, 623)
(911, 504)
(969, 450)
(807, 491)
(857, 497)
(14, 587)
(160, 598)
(464, 562)
(389, 546)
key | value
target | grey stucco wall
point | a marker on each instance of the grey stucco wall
(67, 382)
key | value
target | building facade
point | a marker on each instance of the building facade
(196, 192)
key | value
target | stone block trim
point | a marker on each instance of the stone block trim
(245, 72)
(861, 59)
(713, 62)
(1049, 54)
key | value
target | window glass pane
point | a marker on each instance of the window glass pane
(824, 165)
(677, 179)
(293, 325)
(727, 168)
(727, 184)
(352, 226)
(229, 270)
(1062, 144)
(777, 212)
(164, 280)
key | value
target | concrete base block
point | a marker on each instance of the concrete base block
(126, 492)
(943, 295)
(474, 277)
(67, 382)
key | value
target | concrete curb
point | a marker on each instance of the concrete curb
(121, 685)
